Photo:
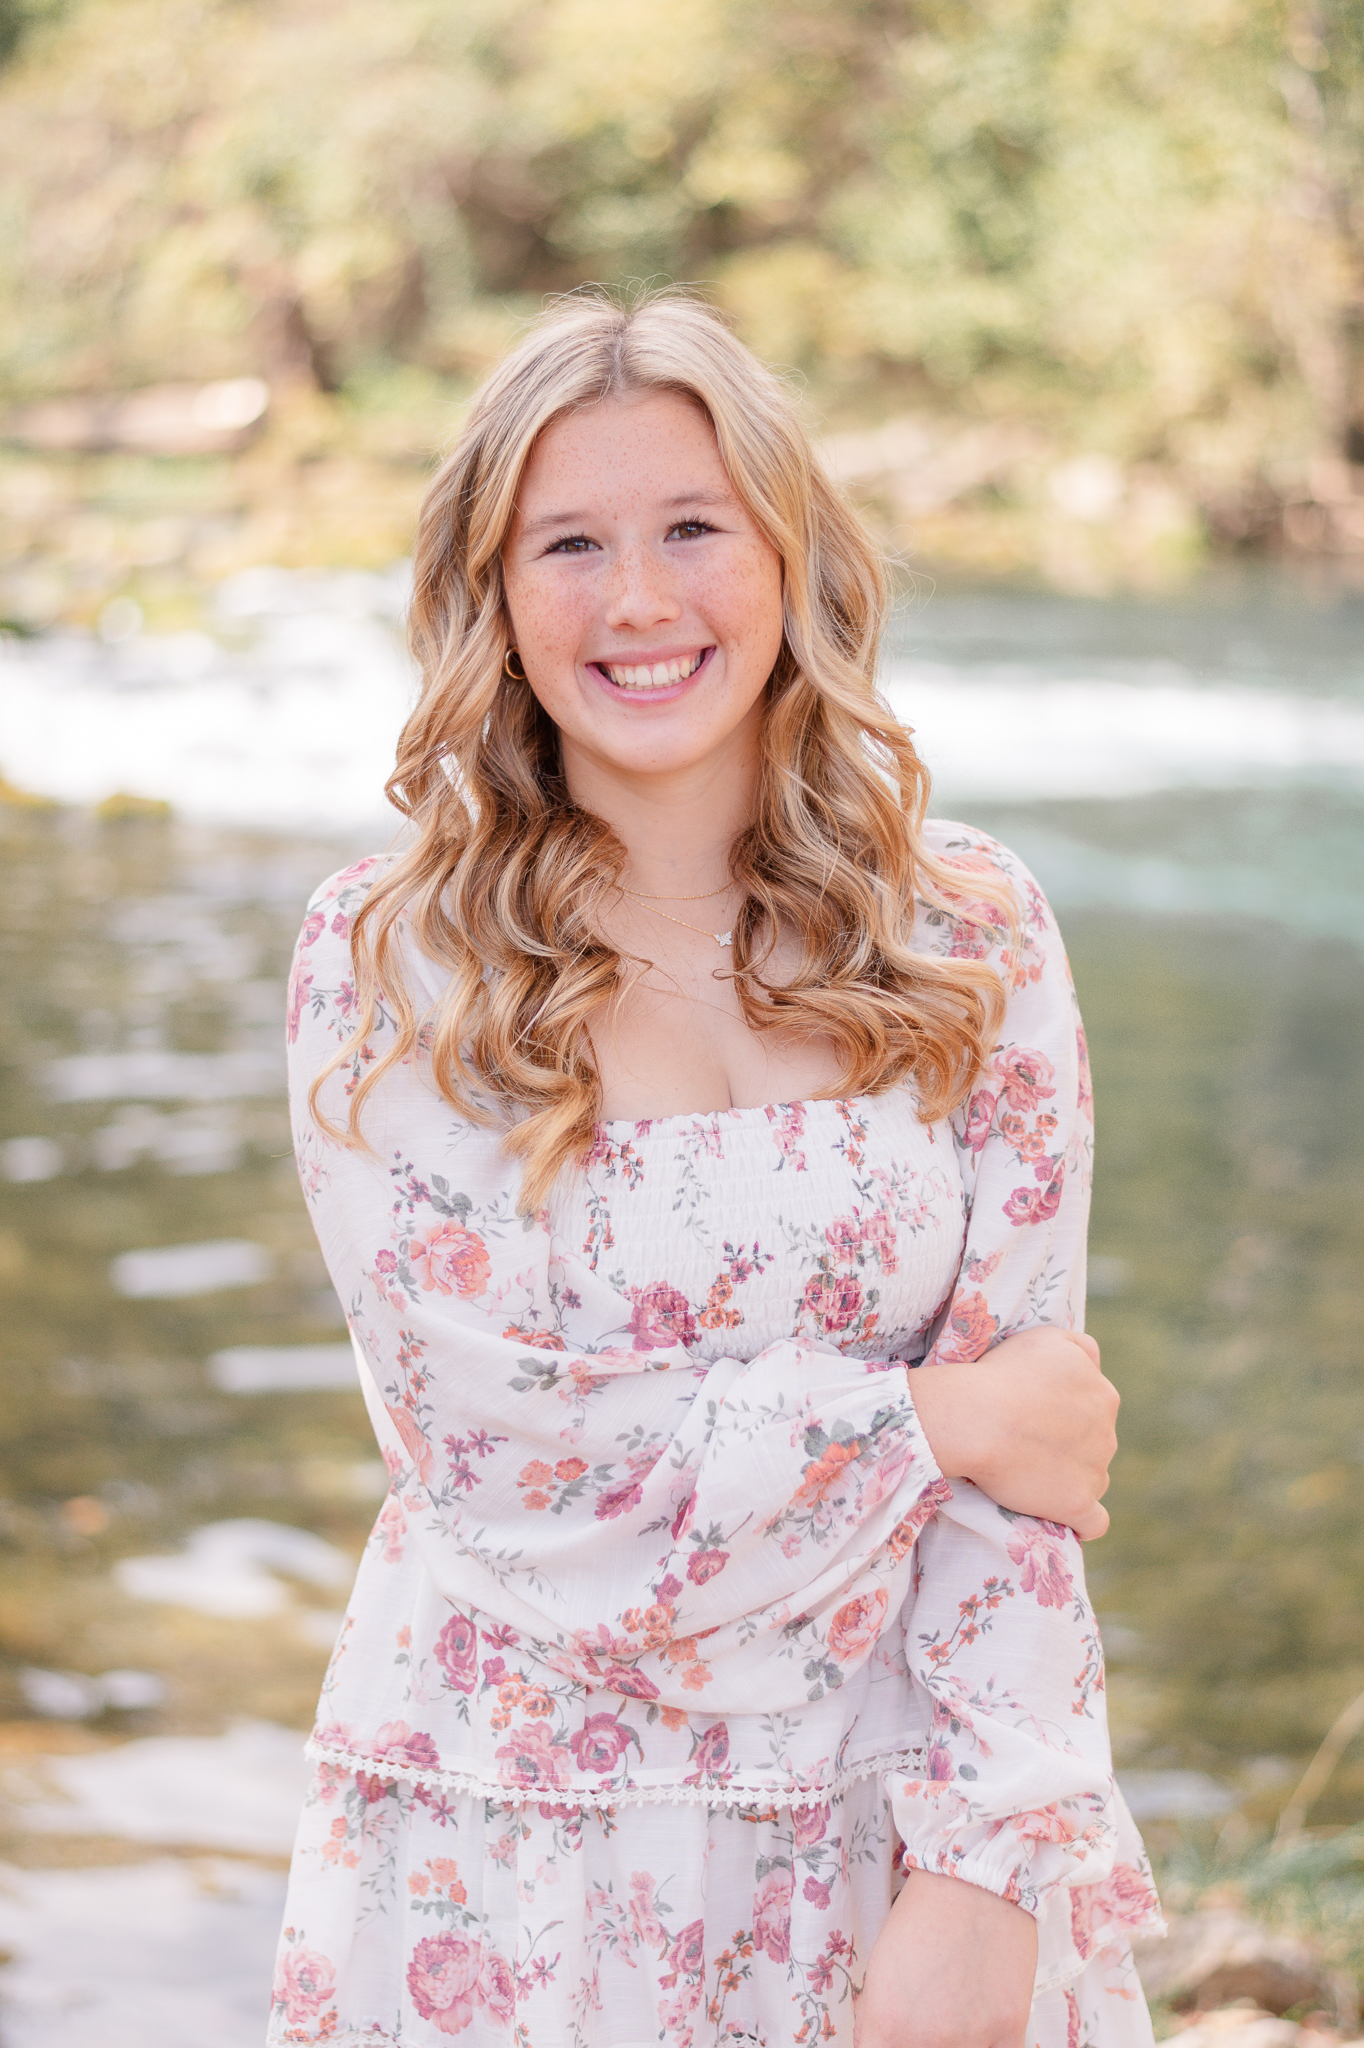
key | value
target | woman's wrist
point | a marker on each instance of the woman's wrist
(949, 1418)
(1031, 1424)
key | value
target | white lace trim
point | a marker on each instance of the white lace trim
(738, 1791)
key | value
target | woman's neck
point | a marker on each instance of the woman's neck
(677, 827)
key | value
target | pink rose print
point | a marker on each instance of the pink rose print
(304, 1982)
(905, 1534)
(538, 1340)
(705, 1564)
(391, 1529)
(980, 1112)
(710, 1756)
(811, 1824)
(1045, 1824)
(978, 909)
(789, 1118)
(968, 943)
(970, 1330)
(1035, 1548)
(1085, 1094)
(313, 924)
(299, 984)
(881, 1237)
(772, 1915)
(414, 1439)
(856, 1625)
(457, 1653)
(618, 1500)
(662, 1316)
(600, 1743)
(497, 1986)
(443, 1980)
(450, 1260)
(1126, 1898)
(1034, 1205)
(845, 1238)
(688, 1952)
(1025, 1077)
(1074, 2019)
(633, 1684)
(532, 1757)
(394, 1742)
(886, 1475)
(826, 1474)
(644, 1912)
(833, 1303)
(819, 1895)
(1081, 1910)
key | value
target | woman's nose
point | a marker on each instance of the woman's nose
(641, 592)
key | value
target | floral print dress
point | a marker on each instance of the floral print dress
(672, 1649)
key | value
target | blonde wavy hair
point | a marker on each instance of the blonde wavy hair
(504, 876)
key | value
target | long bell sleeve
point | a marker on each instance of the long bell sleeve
(702, 1534)
(1018, 1795)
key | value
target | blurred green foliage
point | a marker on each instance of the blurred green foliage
(1142, 219)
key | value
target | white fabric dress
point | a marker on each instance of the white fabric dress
(672, 1647)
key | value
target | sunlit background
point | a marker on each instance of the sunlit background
(1075, 294)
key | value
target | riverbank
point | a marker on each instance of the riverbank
(337, 481)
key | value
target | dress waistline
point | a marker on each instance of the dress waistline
(741, 1789)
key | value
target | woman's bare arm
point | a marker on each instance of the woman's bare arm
(1031, 1423)
(953, 1967)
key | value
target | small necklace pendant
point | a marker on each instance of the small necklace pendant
(724, 938)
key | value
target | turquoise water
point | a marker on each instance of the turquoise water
(1187, 779)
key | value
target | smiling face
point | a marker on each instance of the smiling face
(644, 602)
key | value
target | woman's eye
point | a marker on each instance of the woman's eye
(690, 529)
(570, 544)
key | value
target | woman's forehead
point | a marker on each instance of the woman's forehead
(633, 420)
(654, 446)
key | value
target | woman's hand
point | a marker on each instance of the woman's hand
(953, 1967)
(1031, 1423)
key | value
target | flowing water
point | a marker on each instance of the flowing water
(185, 1467)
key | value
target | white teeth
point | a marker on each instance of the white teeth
(656, 678)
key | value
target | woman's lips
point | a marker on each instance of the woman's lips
(637, 678)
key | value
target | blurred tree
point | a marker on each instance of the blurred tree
(1141, 217)
(17, 17)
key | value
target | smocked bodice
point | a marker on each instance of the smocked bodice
(837, 1221)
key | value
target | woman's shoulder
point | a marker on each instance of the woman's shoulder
(324, 948)
(333, 907)
(329, 985)
(997, 912)
(347, 889)
(967, 847)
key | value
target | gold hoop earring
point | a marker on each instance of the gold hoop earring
(517, 674)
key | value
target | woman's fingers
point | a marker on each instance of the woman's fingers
(1041, 1440)
(1092, 1524)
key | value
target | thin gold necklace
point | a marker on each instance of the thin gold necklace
(699, 897)
(720, 938)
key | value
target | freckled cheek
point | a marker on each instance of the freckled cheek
(745, 607)
(550, 622)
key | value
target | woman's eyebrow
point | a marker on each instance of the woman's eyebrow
(556, 519)
(702, 497)
(699, 497)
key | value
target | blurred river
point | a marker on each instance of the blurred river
(186, 1474)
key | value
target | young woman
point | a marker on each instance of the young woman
(669, 1093)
